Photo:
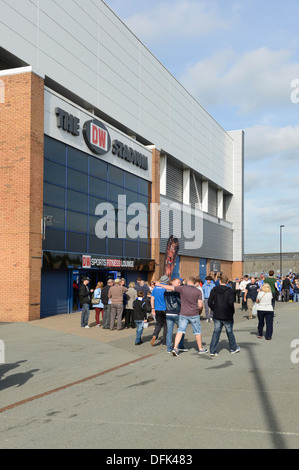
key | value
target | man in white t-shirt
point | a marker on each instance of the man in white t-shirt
(243, 285)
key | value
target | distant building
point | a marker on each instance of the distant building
(256, 264)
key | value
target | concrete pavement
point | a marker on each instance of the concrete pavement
(66, 387)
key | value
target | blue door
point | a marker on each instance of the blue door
(54, 293)
(202, 268)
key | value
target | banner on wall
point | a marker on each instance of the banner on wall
(172, 249)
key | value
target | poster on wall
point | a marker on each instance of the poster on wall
(172, 249)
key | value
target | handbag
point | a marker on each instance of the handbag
(95, 301)
(254, 310)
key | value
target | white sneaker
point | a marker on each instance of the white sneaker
(87, 326)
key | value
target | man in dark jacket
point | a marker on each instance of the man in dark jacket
(84, 299)
(221, 301)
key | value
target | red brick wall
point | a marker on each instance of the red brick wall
(21, 193)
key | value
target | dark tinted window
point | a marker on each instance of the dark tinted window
(98, 168)
(76, 222)
(54, 195)
(55, 150)
(54, 173)
(97, 187)
(55, 240)
(115, 247)
(144, 250)
(77, 201)
(55, 217)
(97, 245)
(77, 159)
(77, 180)
(76, 242)
(116, 175)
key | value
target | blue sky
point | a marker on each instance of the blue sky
(240, 60)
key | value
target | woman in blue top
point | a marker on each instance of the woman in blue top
(99, 308)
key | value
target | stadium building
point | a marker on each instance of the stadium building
(109, 167)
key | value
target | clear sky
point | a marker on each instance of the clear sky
(240, 60)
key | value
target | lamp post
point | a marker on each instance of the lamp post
(280, 252)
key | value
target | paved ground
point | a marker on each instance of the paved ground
(66, 387)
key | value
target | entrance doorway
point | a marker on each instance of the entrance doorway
(95, 276)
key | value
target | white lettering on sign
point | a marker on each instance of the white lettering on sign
(99, 137)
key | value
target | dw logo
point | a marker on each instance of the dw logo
(2, 352)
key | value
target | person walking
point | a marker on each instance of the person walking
(251, 291)
(159, 310)
(271, 280)
(84, 299)
(286, 286)
(221, 301)
(191, 307)
(99, 308)
(243, 285)
(296, 291)
(265, 311)
(206, 289)
(139, 316)
(116, 294)
(107, 304)
(173, 308)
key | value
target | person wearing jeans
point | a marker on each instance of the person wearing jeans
(221, 301)
(218, 325)
(265, 311)
(191, 307)
(139, 316)
(173, 308)
(84, 299)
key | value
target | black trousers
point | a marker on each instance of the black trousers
(160, 324)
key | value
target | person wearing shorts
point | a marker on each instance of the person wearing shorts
(191, 306)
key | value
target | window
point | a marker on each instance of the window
(54, 173)
(75, 183)
(76, 222)
(77, 180)
(77, 201)
(54, 195)
(55, 150)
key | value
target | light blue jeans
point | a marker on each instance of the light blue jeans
(194, 322)
(296, 298)
(139, 330)
(172, 320)
(218, 325)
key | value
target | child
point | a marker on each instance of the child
(139, 315)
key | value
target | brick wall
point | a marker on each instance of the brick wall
(21, 193)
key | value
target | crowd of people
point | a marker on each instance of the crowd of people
(182, 302)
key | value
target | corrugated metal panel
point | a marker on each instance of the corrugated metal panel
(195, 189)
(54, 293)
(212, 201)
(174, 182)
(217, 242)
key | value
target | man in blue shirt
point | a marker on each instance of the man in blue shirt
(159, 310)
(206, 289)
